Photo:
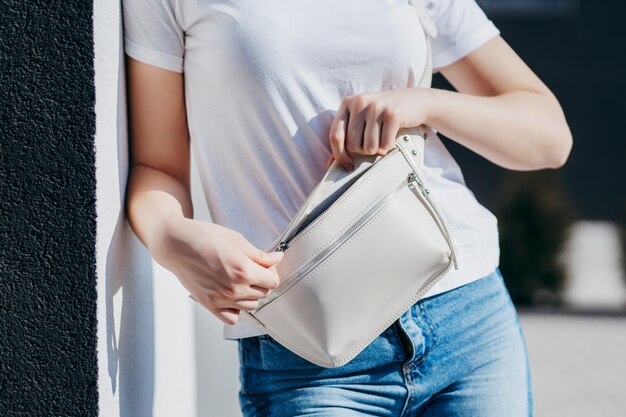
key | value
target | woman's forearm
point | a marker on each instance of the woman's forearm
(154, 198)
(519, 130)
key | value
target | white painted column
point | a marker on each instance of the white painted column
(146, 363)
(175, 362)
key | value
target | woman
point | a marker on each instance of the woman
(267, 94)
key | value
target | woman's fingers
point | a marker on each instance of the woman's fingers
(337, 136)
(371, 134)
(238, 302)
(358, 129)
(228, 315)
(254, 291)
(356, 124)
(261, 276)
(368, 123)
(390, 127)
(247, 299)
(257, 267)
(244, 304)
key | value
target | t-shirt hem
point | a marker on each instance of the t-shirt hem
(243, 329)
(457, 50)
(451, 281)
(153, 57)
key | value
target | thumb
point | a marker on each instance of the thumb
(264, 258)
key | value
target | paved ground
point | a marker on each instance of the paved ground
(578, 363)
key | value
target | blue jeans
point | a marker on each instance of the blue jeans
(458, 353)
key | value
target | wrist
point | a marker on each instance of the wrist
(431, 99)
(164, 228)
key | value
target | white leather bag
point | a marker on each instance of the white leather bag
(362, 249)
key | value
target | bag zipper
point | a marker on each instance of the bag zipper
(426, 193)
(375, 208)
(286, 241)
(385, 200)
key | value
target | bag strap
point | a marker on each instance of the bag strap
(430, 31)
(419, 133)
(429, 25)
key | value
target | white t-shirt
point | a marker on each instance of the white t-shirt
(263, 81)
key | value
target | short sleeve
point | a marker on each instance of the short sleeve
(462, 26)
(153, 34)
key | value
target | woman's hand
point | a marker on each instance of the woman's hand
(368, 123)
(222, 270)
(501, 110)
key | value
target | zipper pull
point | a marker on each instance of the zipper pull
(413, 177)
(282, 246)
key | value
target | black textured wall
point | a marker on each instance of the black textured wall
(579, 58)
(47, 210)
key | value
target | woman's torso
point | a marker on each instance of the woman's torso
(263, 81)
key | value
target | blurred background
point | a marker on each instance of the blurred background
(562, 232)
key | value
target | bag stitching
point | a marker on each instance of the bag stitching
(297, 268)
(349, 356)
(377, 331)
(351, 190)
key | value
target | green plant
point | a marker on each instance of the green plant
(534, 218)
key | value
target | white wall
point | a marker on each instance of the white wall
(146, 363)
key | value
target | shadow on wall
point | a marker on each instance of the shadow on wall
(129, 301)
(129, 323)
